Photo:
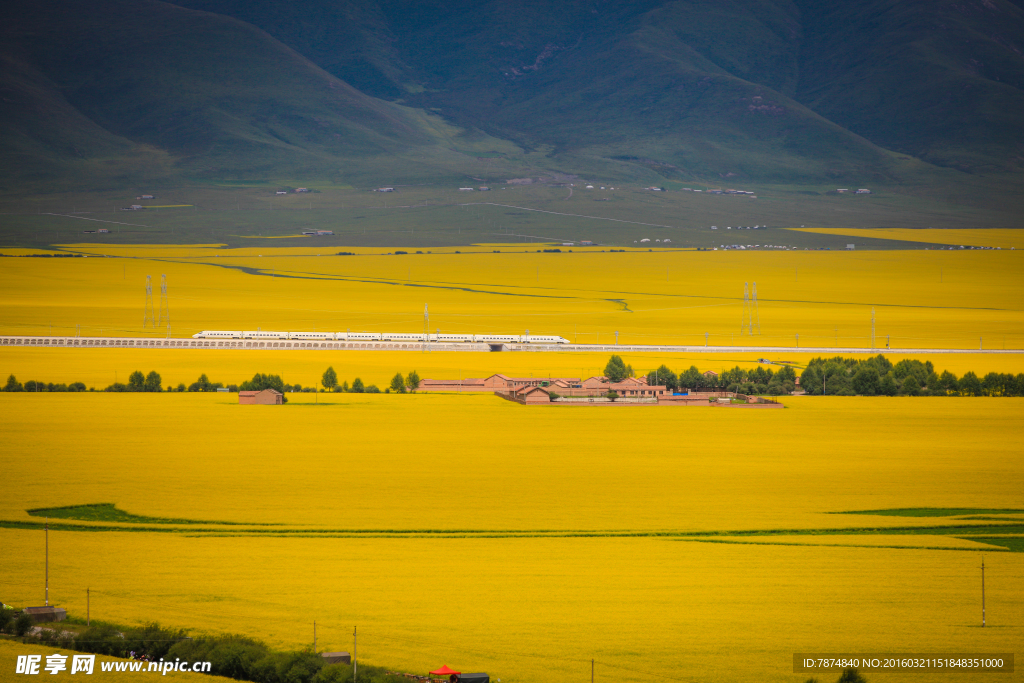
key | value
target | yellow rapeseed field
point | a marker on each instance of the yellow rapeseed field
(525, 541)
(694, 543)
(926, 299)
(994, 237)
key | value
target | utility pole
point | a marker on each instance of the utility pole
(88, 622)
(46, 528)
(591, 671)
(872, 329)
(355, 656)
(983, 591)
(314, 636)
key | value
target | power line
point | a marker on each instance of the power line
(150, 314)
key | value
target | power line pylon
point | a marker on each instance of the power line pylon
(755, 320)
(164, 314)
(745, 323)
(150, 315)
(426, 326)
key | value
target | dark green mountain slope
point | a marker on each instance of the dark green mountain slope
(667, 80)
(218, 97)
(775, 91)
(943, 81)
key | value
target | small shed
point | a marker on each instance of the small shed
(267, 397)
(44, 614)
(336, 657)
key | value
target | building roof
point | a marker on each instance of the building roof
(254, 393)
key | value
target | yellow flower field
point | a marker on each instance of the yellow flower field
(995, 237)
(525, 541)
(921, 299)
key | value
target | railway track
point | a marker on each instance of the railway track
(44, 341)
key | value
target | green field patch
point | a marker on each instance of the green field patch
(1012, 543)
(109, 512)
(930, 512)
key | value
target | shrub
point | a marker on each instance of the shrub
(6, 618)
(372, 389)
(22, 625)
(357, 386)
(76, 386)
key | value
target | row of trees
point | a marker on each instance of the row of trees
(878, 376)
(139, 382)
(32, 385)
(760, 380)
(400, 384)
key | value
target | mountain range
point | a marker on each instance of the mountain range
(761, 91)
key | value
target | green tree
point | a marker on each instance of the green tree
(616, 370)
(949, 382)
(663, 376)
(611, 395)
(330, 378)
(413, 380)
(181, 386)
(357, 386)
(372, 389)
(970, 385)
(810, 380)
(259, 382)
(136, 381)
(152, 382)
(13, 384)
(398, 383)
(786, 374)
(911, 387)
(691, 379)
(204, 384)
(887, 385)
(865, 381)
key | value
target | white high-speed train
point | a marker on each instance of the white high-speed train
(383, 336)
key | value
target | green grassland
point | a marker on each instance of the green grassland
(428, 216)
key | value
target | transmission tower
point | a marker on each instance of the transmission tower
(751, 322)
(164, 314)
(755, 320)
(150, 315)
(426, 326)
(746, 324)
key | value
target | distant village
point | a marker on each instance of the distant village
(596, 390)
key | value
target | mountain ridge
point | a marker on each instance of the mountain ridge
(780, 91)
